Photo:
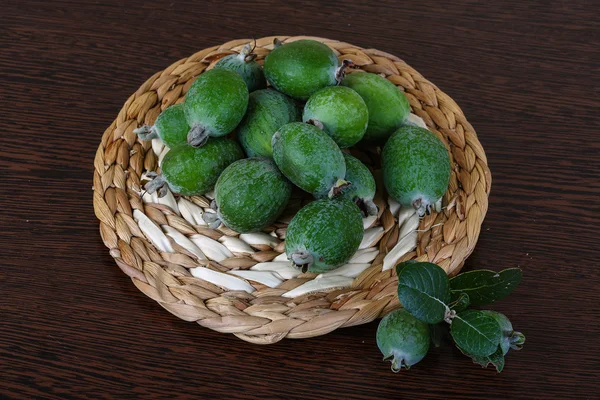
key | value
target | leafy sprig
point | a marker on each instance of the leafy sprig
(485, 336)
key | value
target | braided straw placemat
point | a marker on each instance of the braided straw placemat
(160, 243)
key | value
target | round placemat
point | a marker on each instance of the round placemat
(243, 284)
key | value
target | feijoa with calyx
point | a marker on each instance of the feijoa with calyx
(510, 338)
(170, 126)
(250, 194)
(310, 159)
(341, 113)
(416, 168)
(189, 170)
(363, 187)
(246, 66)
(302, 67)
(268, 110)
(387, 105)
(324, 235)
(214, 105)
(402, 339)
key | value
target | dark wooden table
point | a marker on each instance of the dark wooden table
(72, 325)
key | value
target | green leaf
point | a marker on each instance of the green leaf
(401, 266)
(476, 333)
(424, 292)
(496, 359)
(461, 303)
(484, 286)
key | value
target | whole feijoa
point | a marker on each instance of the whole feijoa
(388, 107)
(250, 194)
(190, 171)
(416, 168)
(268, 110)
(402, 339)
(246, 66)
(324, 235)
(215, 104)
(300, 68)
(510, 339)
(340, 111)
(309, 158)
(362, 189)
(170, 126)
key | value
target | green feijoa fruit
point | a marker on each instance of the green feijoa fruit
(170, 126)
(324, 235)
(416, 168)
(189, 170)
(244, 64)
(388, 107)
(362, 189)
(402, 339)
(340, 111)
(300, 68)
(215, 104)
(268, 110)
(309, 158)
(510, 338)
(250, 194)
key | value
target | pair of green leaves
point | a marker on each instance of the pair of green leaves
(427, 293)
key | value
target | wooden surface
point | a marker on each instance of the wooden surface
(72, 325)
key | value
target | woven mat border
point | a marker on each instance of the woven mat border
(162, 271)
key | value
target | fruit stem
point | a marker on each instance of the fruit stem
(341, 71)
(367, 206)
(146, 132)
(302, 259)
(338, 188)
(517, 339)
(449, 316)
(157, 184)
(398, 363)
(212, 219)
(422, 206)
(316, 123)
(247, 53)
(197, 136)
(277, 43)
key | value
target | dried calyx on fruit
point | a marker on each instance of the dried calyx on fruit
(246, 66)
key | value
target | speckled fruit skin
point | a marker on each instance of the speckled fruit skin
(194, 170)
(250, 194)
(268, 110)
(363, 184)
(330, 229)
(217, 101)
(171, 126)
(300, 68)
(388, 107)
(402, 339)
(415, 165)
(308, 157)
(250, 71)
(342, 112)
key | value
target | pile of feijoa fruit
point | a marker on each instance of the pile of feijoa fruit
(251, 133)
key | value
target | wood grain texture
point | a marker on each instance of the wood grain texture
(73, 325)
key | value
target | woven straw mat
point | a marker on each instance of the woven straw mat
(163, 244)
